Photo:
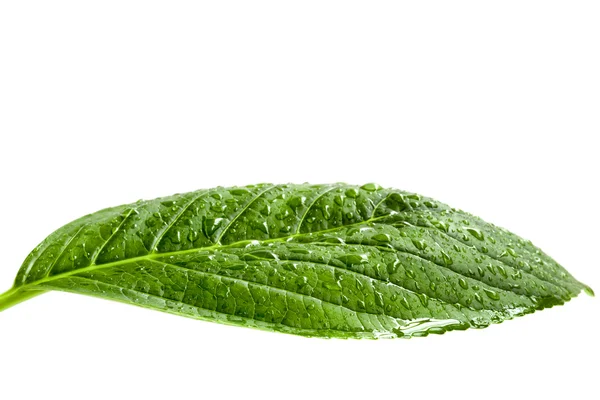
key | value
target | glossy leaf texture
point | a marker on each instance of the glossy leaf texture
(315, 260)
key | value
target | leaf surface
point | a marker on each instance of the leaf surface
(315, 260)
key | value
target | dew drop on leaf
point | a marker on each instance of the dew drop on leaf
(370, 187)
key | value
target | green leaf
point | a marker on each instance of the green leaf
(315, 260)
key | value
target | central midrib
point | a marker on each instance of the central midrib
(154, 255)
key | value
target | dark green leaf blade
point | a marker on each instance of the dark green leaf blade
(315, 260)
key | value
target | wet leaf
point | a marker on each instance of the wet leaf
(315, 260)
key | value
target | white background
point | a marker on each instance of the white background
(492, 108)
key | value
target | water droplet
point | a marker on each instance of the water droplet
(263, 227)
(446, 258)
(419, 244)
(302, 281)
(405, 303)
(326, 211)
(382, 237)
(441, 225)
(263, 254)
(218, 208)
(177, 237)
(333, 239)
(211, 225)
(289, 266)
(299, 250)
(352, 193)
(359, 284)
(476, 233)
(234, 267)
(491, 294)
(296, 201)
(370, 187)
(193, 235)
(502, 271)
(238, 191)
(463, 283)
(379, 299)
(354, 259)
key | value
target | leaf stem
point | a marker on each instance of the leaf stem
(17, 295)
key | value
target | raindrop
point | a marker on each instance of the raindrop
(502, 271)
(491, 294)
(476, 233)
(239, 191)
(405, 303)
(419, 244)
(352, 193)
(192, 235)
(441, 225)
(370, 187)
(446, 258)
(379, 299)
(382, 237)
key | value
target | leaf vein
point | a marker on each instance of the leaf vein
(161, 234)
(255, 198)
